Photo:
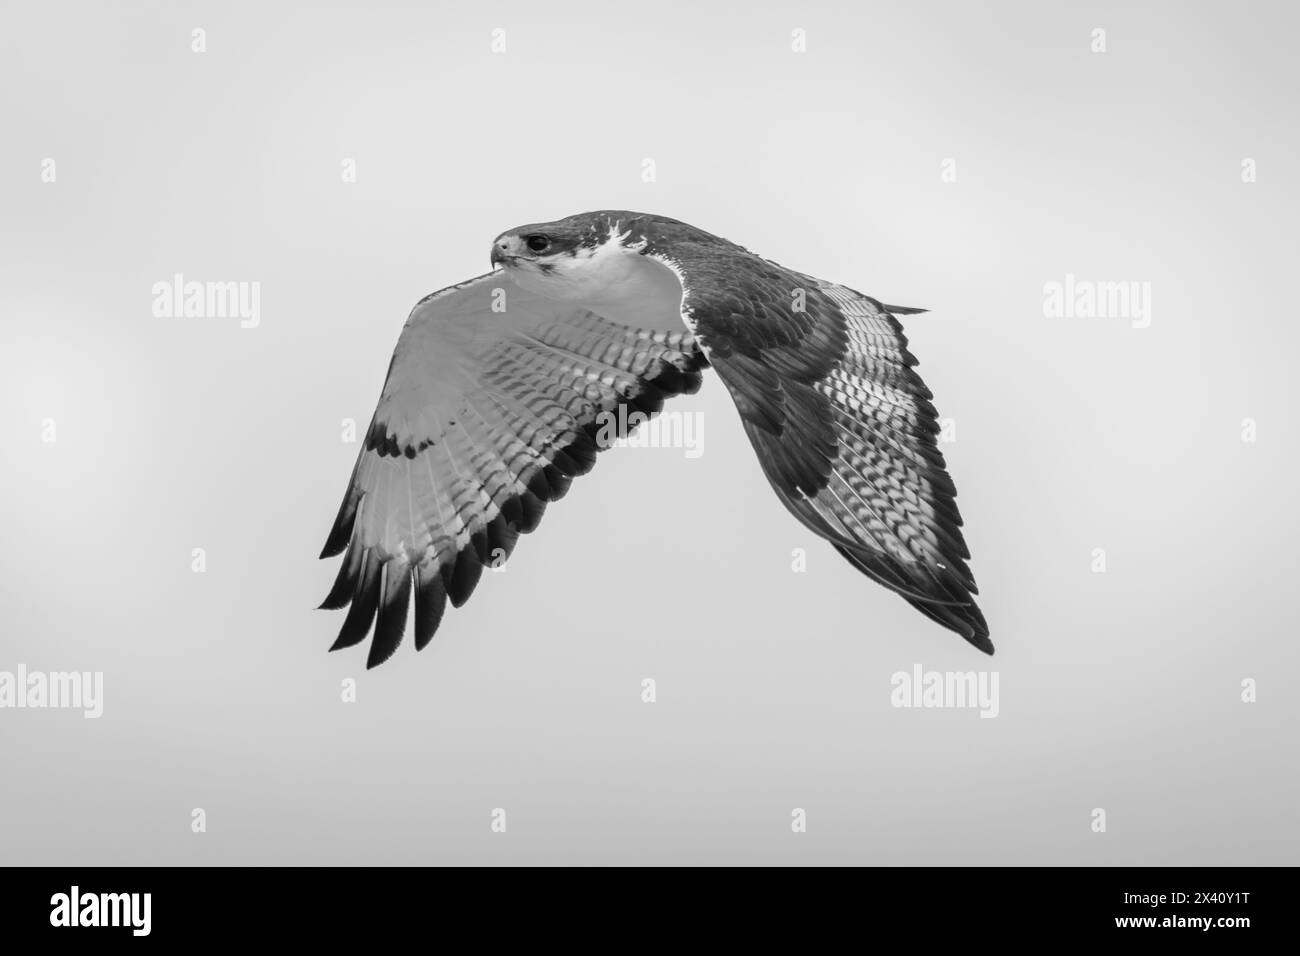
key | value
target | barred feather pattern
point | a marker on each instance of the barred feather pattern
(899, 497)
(843, 425)
(487, 415)
(436, 495)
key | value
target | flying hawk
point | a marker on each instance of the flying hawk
(503, 388)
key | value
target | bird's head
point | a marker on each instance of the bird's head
(540, 246)
(582, 257)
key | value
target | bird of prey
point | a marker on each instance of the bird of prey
(503, 388)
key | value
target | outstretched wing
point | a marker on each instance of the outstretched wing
(841, 421)
(495, 400)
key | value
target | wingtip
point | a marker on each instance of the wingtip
(976, 630)
(341, 533)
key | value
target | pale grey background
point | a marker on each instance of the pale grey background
(1119, 690)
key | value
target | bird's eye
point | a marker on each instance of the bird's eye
(537, 243)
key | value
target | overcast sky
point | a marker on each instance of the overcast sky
(169, 480)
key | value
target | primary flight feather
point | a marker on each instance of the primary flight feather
(503, 388)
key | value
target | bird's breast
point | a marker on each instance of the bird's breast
(618, 283)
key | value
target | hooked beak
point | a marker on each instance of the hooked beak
(505, 249)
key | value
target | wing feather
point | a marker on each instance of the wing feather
(488, 415)
(841, 422)
(484, 418)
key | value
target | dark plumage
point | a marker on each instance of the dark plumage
(488, 414)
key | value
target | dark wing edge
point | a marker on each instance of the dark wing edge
(547, 400)
(843, 426)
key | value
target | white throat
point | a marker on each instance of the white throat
(612, 279)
